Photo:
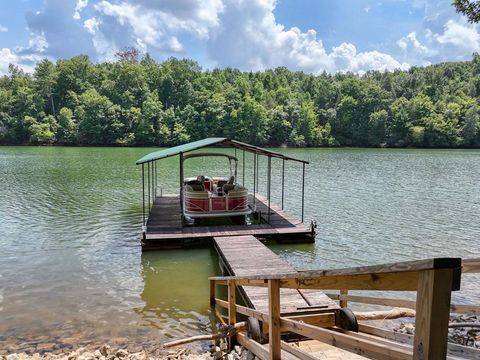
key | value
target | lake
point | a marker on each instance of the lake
(72, 270)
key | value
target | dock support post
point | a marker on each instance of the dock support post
(303, 191)
(283, 180)
(181, 183)
(433, 311)
(232, 310)
(269, 175)
(274, 319)
(343, 303)
(212, 293)
(232, 314)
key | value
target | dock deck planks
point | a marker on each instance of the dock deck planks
(164, 224)
(246, 255)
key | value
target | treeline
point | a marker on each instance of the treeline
(141, 102)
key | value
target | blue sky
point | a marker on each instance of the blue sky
(307, 35)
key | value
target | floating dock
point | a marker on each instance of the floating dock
(164, 228)
(246, 256)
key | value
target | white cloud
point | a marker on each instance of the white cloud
(411, 41)
(3, 28)
(38, 42)
(81, 4)
(91, 25)
(249, 38)
(6, 58)
(25, 62)
(143, 24)
(461, 36)
(150, 24)
(413, 51)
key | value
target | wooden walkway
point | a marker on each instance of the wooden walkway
(165, 228)
(246, 255)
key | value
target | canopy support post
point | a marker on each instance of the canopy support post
(143, 198)
(155, 182)
(258, 184)
(243, 168)
(254, 180)
(148, 168)
(283, 180)
(303, 190)
(181, 183)
(269, 176)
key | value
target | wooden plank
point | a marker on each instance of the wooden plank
(274, 319)
(164, 224)
(232, 315)
(374, 300)
(410, 304)
(343, 301)
(373, 270)
(299, 353)
(260, 350)
(455, 350)
(369, 348)
(433, 310)
(245, 255)
(471, 265)
(389, 281)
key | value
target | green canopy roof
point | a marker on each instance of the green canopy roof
(161, 154)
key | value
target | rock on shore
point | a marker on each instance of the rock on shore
(106, 352)
(467, 336)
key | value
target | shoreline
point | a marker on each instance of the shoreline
(266, 146)
(468, 337)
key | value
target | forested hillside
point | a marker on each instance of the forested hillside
(132, 102)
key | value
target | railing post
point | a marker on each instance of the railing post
(212, 293)
(343, 303)
(232, 312)
(432, 314)
(274, 319)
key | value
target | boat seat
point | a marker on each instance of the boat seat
(196, 185)
(227, 187)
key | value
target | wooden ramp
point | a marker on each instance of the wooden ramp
(246, 255)
(165, 228)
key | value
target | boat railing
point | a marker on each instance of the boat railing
(209, 202)
(433, 280)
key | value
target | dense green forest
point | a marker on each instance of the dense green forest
(141, 102)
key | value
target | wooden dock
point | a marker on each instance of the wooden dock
(246, 256)
(165, 229)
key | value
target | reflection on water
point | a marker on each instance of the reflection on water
(71, 267)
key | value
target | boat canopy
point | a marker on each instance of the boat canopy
(180, 149)
(195, 155)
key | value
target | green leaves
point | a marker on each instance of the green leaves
(130, 102)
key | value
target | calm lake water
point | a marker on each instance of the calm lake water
(71, 267)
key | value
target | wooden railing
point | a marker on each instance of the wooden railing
(468, 266)
(433, 280)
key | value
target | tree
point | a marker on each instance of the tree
(98, 122)
(468, 8)
(131, 102)
(67, 128)
(471, 126)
